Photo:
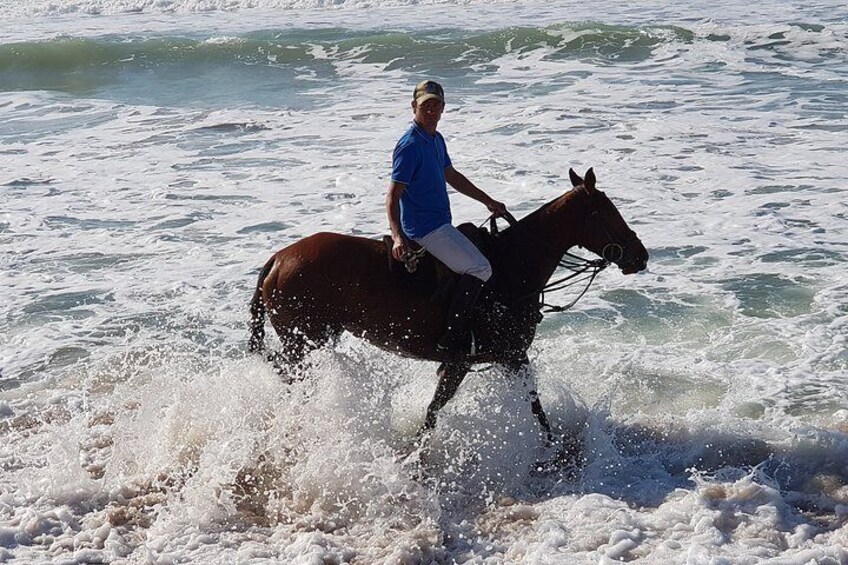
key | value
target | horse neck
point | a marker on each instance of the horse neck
(539, 240)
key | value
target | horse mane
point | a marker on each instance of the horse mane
(546, 208)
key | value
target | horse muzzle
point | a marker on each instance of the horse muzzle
(633, 268)
(630, 258)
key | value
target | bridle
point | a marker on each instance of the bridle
(613, 252)
(581, 270)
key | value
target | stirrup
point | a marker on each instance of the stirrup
(471, 348)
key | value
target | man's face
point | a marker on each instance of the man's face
(428, 112)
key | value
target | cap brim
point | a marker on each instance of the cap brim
(428, 96)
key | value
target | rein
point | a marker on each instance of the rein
(579, 267)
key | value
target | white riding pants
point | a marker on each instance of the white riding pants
(448, 245)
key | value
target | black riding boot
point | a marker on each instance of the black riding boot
(455, 339)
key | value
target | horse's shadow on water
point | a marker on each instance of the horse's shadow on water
(642, 465)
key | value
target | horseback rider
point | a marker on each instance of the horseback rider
(419, 210)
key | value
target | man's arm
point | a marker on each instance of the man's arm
(464, 186)
(401, 243)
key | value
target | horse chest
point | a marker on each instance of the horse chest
(504, 328)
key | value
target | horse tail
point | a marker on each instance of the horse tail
(256, 343)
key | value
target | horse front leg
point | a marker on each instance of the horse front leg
(568, 449)
(450, 377)
(520, 366)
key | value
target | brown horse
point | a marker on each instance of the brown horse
(324, 284)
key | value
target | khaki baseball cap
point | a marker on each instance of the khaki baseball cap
(428, 89)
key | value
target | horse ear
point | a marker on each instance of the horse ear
(575, 178)
(590, 179)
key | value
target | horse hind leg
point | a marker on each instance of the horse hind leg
(291, 360)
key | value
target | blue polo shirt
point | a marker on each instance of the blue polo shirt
(419, 162)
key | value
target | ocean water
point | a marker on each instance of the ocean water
(154, 153)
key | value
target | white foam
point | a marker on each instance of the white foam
(138, 415)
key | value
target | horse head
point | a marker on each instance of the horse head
(606, 233)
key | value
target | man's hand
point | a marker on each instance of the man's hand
(466, 187)
(401, 247)
(498, 209)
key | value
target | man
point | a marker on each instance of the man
(418, 208)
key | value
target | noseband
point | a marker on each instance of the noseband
(612, 253)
